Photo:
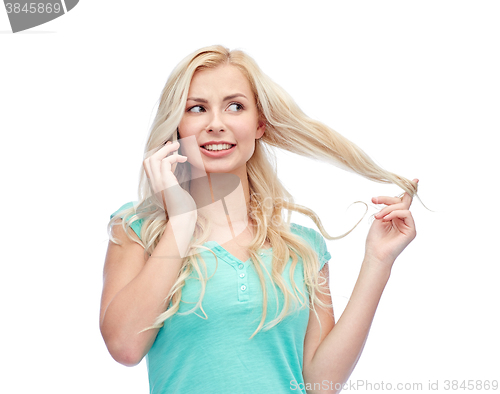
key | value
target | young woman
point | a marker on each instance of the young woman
(213, 285)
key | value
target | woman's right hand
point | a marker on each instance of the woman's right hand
(159, 169)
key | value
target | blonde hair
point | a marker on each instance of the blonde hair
(287, 127)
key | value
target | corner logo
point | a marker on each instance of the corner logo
(24, 15)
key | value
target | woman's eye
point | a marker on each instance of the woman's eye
(196, 108)
(235, 107)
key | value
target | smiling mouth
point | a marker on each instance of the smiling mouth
(218, 147)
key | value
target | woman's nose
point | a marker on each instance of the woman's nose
(216, 123)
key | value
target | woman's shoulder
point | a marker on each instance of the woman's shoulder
(122, 208)
(315, 240)
(120, 212)
(305, 232)
(311, 235)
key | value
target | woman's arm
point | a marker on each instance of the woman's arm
(339, 351)
(134, 292)
(336, 356)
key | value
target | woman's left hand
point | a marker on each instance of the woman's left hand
(392, 230)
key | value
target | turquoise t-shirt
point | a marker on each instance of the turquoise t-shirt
(193, 355)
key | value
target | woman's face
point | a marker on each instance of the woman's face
(221, 108)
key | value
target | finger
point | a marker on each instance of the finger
(169, 163)
(403, 202)
(165, 150)
(385, 211)
(157, 155)
(180, 159)
(404, 215)
(386, 200)
(407, 200)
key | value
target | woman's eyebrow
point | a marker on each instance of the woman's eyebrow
(230, 97)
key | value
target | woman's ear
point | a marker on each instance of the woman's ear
(260, 129)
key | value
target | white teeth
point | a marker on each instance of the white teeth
(217, 147)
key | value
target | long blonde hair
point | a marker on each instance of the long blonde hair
(288, 128)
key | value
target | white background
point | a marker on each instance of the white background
(414, 84)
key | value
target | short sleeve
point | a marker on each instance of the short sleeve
(323, 253)
(137, 225)
(316, 240)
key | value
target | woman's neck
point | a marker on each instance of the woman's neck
(223, 199)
